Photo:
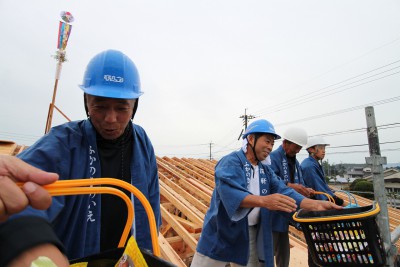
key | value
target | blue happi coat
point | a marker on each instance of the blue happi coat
(225, 235)
(279, 164)
(71, 151)
(314, 177)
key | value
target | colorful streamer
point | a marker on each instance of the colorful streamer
(64, 30)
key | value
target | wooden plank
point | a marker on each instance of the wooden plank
(189, 197)
(7, 147)
(163, 167)
(200, 186)
(187, 171)
(191, 227)
(175, 239)
(209, 174)
(192, 189)
(168, 253)
(181, 204)
(182, 232)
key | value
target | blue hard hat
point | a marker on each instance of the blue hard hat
(261, 126)
(112, 74)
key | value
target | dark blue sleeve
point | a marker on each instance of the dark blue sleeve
(278, 186)
(312, 178)
(154, 189)
(230, 185)
(45, 155)
(275, 165)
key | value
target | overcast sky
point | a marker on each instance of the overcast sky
(315, 64)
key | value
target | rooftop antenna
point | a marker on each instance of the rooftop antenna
(64, 30)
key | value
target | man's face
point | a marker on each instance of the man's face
(264, 145)
(110, 116)
(319, 152)
(290, 148)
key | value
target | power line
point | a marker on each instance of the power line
(380, 102)
(380, 127)
(362, 151)
(354, 59)
(181, 145)
(382, 143)
(304, 98)
(346, 63)
(16, 136)
(332, 93)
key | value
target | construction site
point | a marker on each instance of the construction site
(186, 186)
(198, 64)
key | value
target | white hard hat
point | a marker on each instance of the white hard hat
(296, 135)
(316, 140)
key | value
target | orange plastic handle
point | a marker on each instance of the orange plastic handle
(84, 186)
(330, 198)
(66, 191)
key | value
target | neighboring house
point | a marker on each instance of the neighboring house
(356, 172)
(341, 180)
(392, 185)
(390, 175)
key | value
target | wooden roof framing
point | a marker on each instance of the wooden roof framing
(187, 177)
(186, 187)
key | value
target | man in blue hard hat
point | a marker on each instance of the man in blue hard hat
(237, 226)
(106, 144)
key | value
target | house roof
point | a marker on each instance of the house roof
(388, 175)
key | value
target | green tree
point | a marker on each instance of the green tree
(341, 169)
(364, 186)
(327, 169)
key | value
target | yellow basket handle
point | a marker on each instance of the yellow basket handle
(84, 186)
(330, 198)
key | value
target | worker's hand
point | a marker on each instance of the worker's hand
(326, 205)
(12, 198)
(311, 191)
(318, 205)
(305, 191)
(278, 202)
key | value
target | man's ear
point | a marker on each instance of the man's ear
(250, 139)
(135, 106)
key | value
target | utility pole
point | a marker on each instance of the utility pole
(376, 162)
(246, 118)
(211, 143)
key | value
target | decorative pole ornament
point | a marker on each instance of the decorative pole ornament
(64, 31)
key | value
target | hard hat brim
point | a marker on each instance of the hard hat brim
(107, 91)
(276, 136)
(307, 147)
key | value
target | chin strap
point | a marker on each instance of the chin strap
(253, 148)
(266, 161)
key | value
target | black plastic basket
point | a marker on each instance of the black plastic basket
(347, 237)
(110, 258)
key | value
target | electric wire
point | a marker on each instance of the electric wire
(380, 102)
(358, 130)
(305, 98)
